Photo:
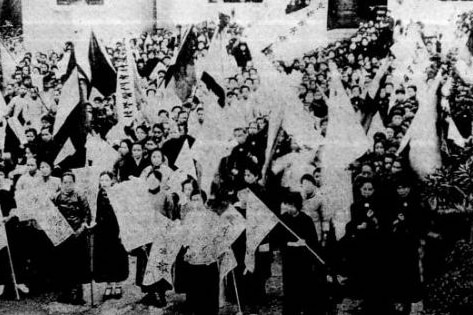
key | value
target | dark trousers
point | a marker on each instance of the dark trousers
(203, 289)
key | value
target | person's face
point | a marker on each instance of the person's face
(245, 93)
(182, 118)
(253, 128)
(396, 120)
(68, 184)
(309, 97)
(289, 209)
(156, 158)
(174, 133)
(403, 191)
(22, 91)
(250, 178)
(45, 169)
(46, 135)
(396, 168)
(308, 187)
(137, 152)
(200, 116)
(140, 134)
(150, 145)
(105, 181)
(411, 93)
(399, 137)
(388, 162)
(197, 202)
(158, 133)
(152, 182)
(379, 149)
(187, 190)
(33, 94)
(367, 171)
(123, 149)
(30, 137)
(389, 133)
(240, 136)
(367, 190)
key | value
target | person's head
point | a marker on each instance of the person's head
(68, 180)
(153, 180)
(32, 165)
(156, 158)
(23, 90)
(403, 187)
(400, 95)
(31, 135)
(411, 91)
(163, 115)
(245, 91)
(150, 144)
(308, 184)
(141, 133)
(188, 186)
(378, 148)
(291, 203)
(198, 198)
(261, 123)
(397, 118)
(388, 162)
(137, 150)
(366, 188)
(200, 115)
(182, 117)
(397, 167)
(46, 134)
(106, 179)
(356, 91)
(125, 147)
(367, 170)
(389, 131)
(240, 135)
(251, 174)
(45, 169)
(175, 112)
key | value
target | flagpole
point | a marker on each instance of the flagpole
(10, 262)
(298, 238)
(236, 291)
(90, 238)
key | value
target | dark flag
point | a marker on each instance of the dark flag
(182, 69)
(103, 75)
(70, 133)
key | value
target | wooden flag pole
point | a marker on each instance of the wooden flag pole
(10, 262)
(236, 292)
(307, 246)
(90, 238)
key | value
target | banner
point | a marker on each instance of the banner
(259, 222)
(125, 93)
(87, 181)
(135, 213)
(166, 245)
(35, 205)
(231, 226)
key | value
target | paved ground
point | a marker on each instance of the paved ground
(45, 304)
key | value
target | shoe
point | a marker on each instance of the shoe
(107, 295)
(117, 293)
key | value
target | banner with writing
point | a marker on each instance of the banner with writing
(126, 100)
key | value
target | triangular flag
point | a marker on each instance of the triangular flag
(185, 160)
(454, 134)
(8, 64)
(68, 100)
(103, 75)
(260, 220)
(100, 153)
(376, 126)
(67, 150)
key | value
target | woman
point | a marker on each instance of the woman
(110, 257)
(48, 184)
(134, 165)
(125, 151)
(73, 255)
(407, 226)
(187, 186)
(158, 162)
(365, 243)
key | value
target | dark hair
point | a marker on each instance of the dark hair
(127, 142)
(31, 130)
(157, 174)
(201, 193)
(309, 178)
(163, 111)
(293, 198)
(49, 129)
(189, 181)
(253, 169)
(108, 173)
(68, 173)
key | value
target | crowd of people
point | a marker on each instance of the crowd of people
(378, 259)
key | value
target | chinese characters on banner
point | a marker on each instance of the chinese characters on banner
(126, 100)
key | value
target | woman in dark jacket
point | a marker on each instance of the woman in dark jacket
(407, 226)
(365, 244)
(110, 257)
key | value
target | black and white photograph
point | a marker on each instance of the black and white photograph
(236, 157)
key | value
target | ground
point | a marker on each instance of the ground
(45, 304)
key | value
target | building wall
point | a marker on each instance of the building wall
(48, 25)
